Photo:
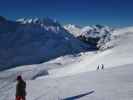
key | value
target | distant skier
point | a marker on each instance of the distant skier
(20, 89)
(102, 67)
(98, 67)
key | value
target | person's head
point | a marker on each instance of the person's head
(19, 78)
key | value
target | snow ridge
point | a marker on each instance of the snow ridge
(95, 35)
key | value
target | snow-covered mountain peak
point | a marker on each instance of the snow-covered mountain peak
(40, 25)
(73, 29)
(95, 35)
(96, 29)
(43, 21)
(86, 29)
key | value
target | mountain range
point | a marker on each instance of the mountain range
(95, 35)
(34, 40)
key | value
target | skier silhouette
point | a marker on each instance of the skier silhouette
(98, 67)
(20, 89)
(102, 67)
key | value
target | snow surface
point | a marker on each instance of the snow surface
(73, 77)
(110, 84)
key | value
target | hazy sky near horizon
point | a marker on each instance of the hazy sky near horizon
(81, 12)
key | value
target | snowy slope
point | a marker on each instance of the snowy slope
(120, 54)
(110, 84)
(75, 76)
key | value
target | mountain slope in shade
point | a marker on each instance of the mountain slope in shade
(30, 41)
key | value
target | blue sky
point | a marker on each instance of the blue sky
(81, 12)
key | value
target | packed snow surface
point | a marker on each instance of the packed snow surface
(109, 84)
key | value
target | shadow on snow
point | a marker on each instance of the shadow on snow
(78, 96)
